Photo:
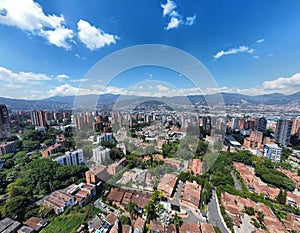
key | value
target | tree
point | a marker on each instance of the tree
(14, 207)
(41, 173)
(281, 198)
(177, 220)
(125, 220)
(131, 209)
(249, 210)
(49, 142)
(260, 217)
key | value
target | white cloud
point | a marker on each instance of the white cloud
(174, 23)
(7, 75)
(260, 41)
(63, 90)
(79, 80)
(283, 84)
(62, 77)
(190, 20)
(94, 38)
(59, 37)
(240, 49)
(29, 16)
(256, 57)
(168, 7)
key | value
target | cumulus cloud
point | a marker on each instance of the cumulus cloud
(23, 77)
(175, 18)
(240, 49)
(168, 7)
(30, 17)
(190, 20)
(174, 23)
(63, 90)
(260, 41)
(94, 38)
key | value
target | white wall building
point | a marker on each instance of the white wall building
(272, 152)
(71, 158)
(105, 137)
(101, 154)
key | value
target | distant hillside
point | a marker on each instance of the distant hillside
(67, 102)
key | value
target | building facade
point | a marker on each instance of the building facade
(5, 131)
(71, 158)
(283, 131)
(272, 152)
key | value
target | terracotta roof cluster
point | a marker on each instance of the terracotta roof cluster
(167, 184)
(191, 195)
(292, 222)
(59, 200)
(195, 166)
(251, 180)
(120, 195)
(294, 177)
(234, 206)
(186, 227)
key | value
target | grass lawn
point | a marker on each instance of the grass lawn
(71, 219)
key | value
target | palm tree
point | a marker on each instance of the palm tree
(177, 220)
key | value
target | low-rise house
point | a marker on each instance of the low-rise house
(206, 228)
(9, 225)
(94, 223)
(252, 181)
(191, 195)
(59, 201)
(293, 176)
(139, 225)
(172, 162)
(127, 177)
(25, 229)
(83, 193)
(8, 147)
(156, 227)
(168, 184)
(195, 166)
(51, 150)
(36, 223)
(189, 227)
(235, 205)
(116, 195)
(126, 229)
(292, 222)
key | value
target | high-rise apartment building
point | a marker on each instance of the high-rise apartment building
(38, 118)
(262, 124)
(296, 126)
(283, 131)
(5, 131)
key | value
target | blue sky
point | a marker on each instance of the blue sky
(249, 47)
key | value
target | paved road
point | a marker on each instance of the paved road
(237, 184)
(213, 214)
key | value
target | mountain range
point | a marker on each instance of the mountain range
(66, 102)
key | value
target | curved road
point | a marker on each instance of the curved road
(214, 214)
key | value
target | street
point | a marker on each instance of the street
(236, 182)
(213, 214)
